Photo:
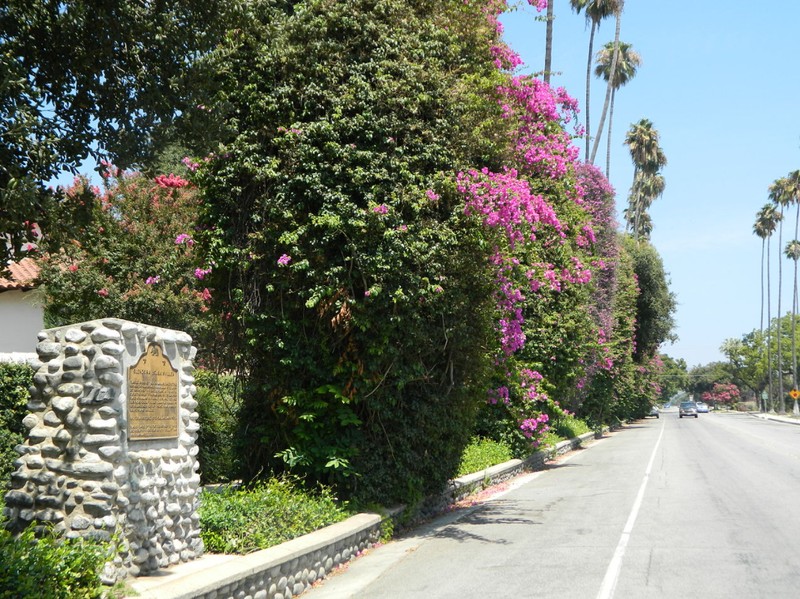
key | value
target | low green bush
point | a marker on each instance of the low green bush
(483, 453)
(49, 567)
(264, 514)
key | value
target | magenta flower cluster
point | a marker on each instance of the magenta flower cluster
(184, 239)
(170, 181)
(534, 105)
(190, 164)
(535, 426)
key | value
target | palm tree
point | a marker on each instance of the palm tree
(792, 190)
(645, 189)
(780, 195)
(792, 251)
(595, 11)
(764, 227)
(766, 223)
(648, 184)
(611, 79)
(628, 62)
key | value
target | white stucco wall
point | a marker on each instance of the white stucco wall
(21, 319)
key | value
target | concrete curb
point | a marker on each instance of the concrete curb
(290, 568)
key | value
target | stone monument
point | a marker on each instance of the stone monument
(111, 449)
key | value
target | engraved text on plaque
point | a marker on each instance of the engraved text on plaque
(152, 397)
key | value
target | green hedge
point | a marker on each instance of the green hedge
(15, 379)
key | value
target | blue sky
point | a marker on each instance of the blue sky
(719, 82)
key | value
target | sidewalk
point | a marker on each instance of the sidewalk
(786, 418)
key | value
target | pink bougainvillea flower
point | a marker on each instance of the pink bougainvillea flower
(183, 238)
(432, 195)
(102, 292)
(152, 280)
(284, 260)
(381, 209)
(190, 164)
(201, 273)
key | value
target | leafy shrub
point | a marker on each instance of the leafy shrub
(264, 514)
(49, 567)
(217, 407)
(15, 379)
(481, 454)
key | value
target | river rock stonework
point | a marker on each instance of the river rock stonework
(83, 472)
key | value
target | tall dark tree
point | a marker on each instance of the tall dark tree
(655, 304)
(79, 77)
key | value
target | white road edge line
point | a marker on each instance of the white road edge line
(614, 567)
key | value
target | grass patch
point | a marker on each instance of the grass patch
(265, 514)
(481, 454)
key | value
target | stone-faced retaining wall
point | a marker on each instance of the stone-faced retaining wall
(280, 572)
(80, 469)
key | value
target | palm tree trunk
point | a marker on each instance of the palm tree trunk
(608, 135)
(548, 50)
(761, 325)
(609, 88)
(781, 400)
(588, 87)
(769, 332)
(794, 308)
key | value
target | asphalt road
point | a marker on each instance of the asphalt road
(666, 507)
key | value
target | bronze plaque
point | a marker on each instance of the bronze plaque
(152, 397)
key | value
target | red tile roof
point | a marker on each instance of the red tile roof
(22, 275)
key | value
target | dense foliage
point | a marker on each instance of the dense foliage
(358, 298)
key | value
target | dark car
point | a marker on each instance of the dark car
(688, 408)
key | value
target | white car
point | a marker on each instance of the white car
(702, 407)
